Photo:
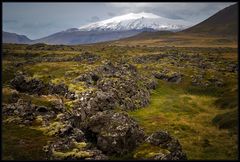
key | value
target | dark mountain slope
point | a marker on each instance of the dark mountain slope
(84, 37)
(15, 38)
(150, 35)
(223, 23)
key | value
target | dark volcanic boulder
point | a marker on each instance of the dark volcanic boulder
(158, 138)
(170, 77)
(115, 133)
(165, 141)
(23, 83)
(58, 89)
(128, 93)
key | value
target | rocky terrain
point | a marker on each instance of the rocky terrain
(93, 128)
(88, 100)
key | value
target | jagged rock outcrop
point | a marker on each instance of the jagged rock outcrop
(118, 85)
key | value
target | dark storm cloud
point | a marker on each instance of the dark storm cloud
(41, 19)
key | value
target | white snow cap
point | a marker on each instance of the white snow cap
(131, 16)
(136, 21)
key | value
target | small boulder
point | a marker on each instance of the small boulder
(165, 141)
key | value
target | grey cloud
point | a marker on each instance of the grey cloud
(111, 14)
(10, 21)
(94, 19)
(37, 25)
(188, 11)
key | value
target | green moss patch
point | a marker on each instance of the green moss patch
(22, 143)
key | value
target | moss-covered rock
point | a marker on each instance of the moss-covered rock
(115, 133)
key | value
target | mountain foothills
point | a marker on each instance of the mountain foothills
(167, 93)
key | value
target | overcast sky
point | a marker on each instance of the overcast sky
(37, 20)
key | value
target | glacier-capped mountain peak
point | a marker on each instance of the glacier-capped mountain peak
(136, 21)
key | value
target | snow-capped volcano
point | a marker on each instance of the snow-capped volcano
(136, 21)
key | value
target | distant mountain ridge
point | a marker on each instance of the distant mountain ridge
(71, 37)
(8, 37)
